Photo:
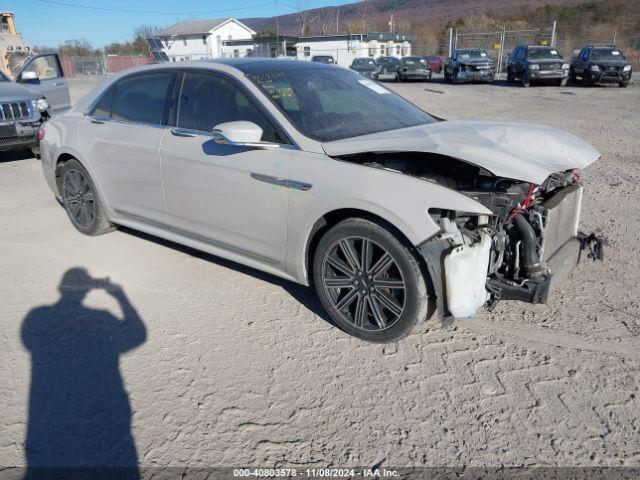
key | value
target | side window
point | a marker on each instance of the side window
(142, 98)
(46, 67)
(585, 54)
(102, 109)
(208, 100)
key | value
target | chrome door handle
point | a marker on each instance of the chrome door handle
(98, 122)
(179, 132)
(282, 182)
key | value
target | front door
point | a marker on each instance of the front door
(50, 81)
(225, 195)
(121, 138)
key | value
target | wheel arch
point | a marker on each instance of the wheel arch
(333, 217)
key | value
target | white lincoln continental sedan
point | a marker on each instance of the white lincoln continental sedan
(318, 175)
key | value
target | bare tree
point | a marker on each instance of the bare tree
(145, 31)
(304, 16)
(363, 9)
(327, 19)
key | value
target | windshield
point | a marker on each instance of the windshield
(473, 54)
(363, 62)
(409, 61)
(543, 54)
(606, 54)
(337, 104)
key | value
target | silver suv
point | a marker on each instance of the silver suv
(38, 90)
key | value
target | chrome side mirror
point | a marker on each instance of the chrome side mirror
(242, 134)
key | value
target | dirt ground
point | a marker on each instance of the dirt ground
(228, 366)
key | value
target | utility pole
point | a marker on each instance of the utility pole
(391, 24)
(450, 42)
(553, 34)
(277, 27)
(338, 22)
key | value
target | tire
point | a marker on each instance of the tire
(368, 305)
(510, 77)
(623, 84)
(456, 77)
(587, 81)
(563, 82)
(526, 83)
(81, 201)
(572, 75)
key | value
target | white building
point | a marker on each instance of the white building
(344, 48)
(227, 37)
(200, 39)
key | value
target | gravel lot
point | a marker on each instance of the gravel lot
(235, 367)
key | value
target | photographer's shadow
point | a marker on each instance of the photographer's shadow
(79, 411)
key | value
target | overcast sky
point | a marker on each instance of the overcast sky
(48, 22)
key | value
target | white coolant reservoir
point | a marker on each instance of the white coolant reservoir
(465, 270)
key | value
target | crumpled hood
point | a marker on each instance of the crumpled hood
(14, 92)
(519, 151)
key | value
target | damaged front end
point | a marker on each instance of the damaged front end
(527, 248)
(522, 252)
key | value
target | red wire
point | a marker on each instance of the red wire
(525, 203)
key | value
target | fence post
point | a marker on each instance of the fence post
(501, 49)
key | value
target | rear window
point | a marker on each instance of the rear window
(142, 98)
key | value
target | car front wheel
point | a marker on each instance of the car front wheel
(369, 281)
(81, 201)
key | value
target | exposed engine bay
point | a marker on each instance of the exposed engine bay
(522, 252)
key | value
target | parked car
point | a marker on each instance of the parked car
(601, 64)
(38, 89)
(320, 176)
(469, 65)
(531, 64)
(388, 68)
(414, 68)
(435, 63)
(366, 67)
(323, 59)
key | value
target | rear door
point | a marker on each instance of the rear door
(121, 141)
(50, 80)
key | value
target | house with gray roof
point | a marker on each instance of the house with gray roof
(200, 39)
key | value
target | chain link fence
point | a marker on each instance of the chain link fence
(101, 65)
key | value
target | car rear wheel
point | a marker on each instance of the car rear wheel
(369, 282)
(526, 82)
(81, 201)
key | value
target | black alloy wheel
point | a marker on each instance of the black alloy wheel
(369, 281)
(364, 283)
(80, 199)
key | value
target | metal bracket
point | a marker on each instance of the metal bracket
(594, 243)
